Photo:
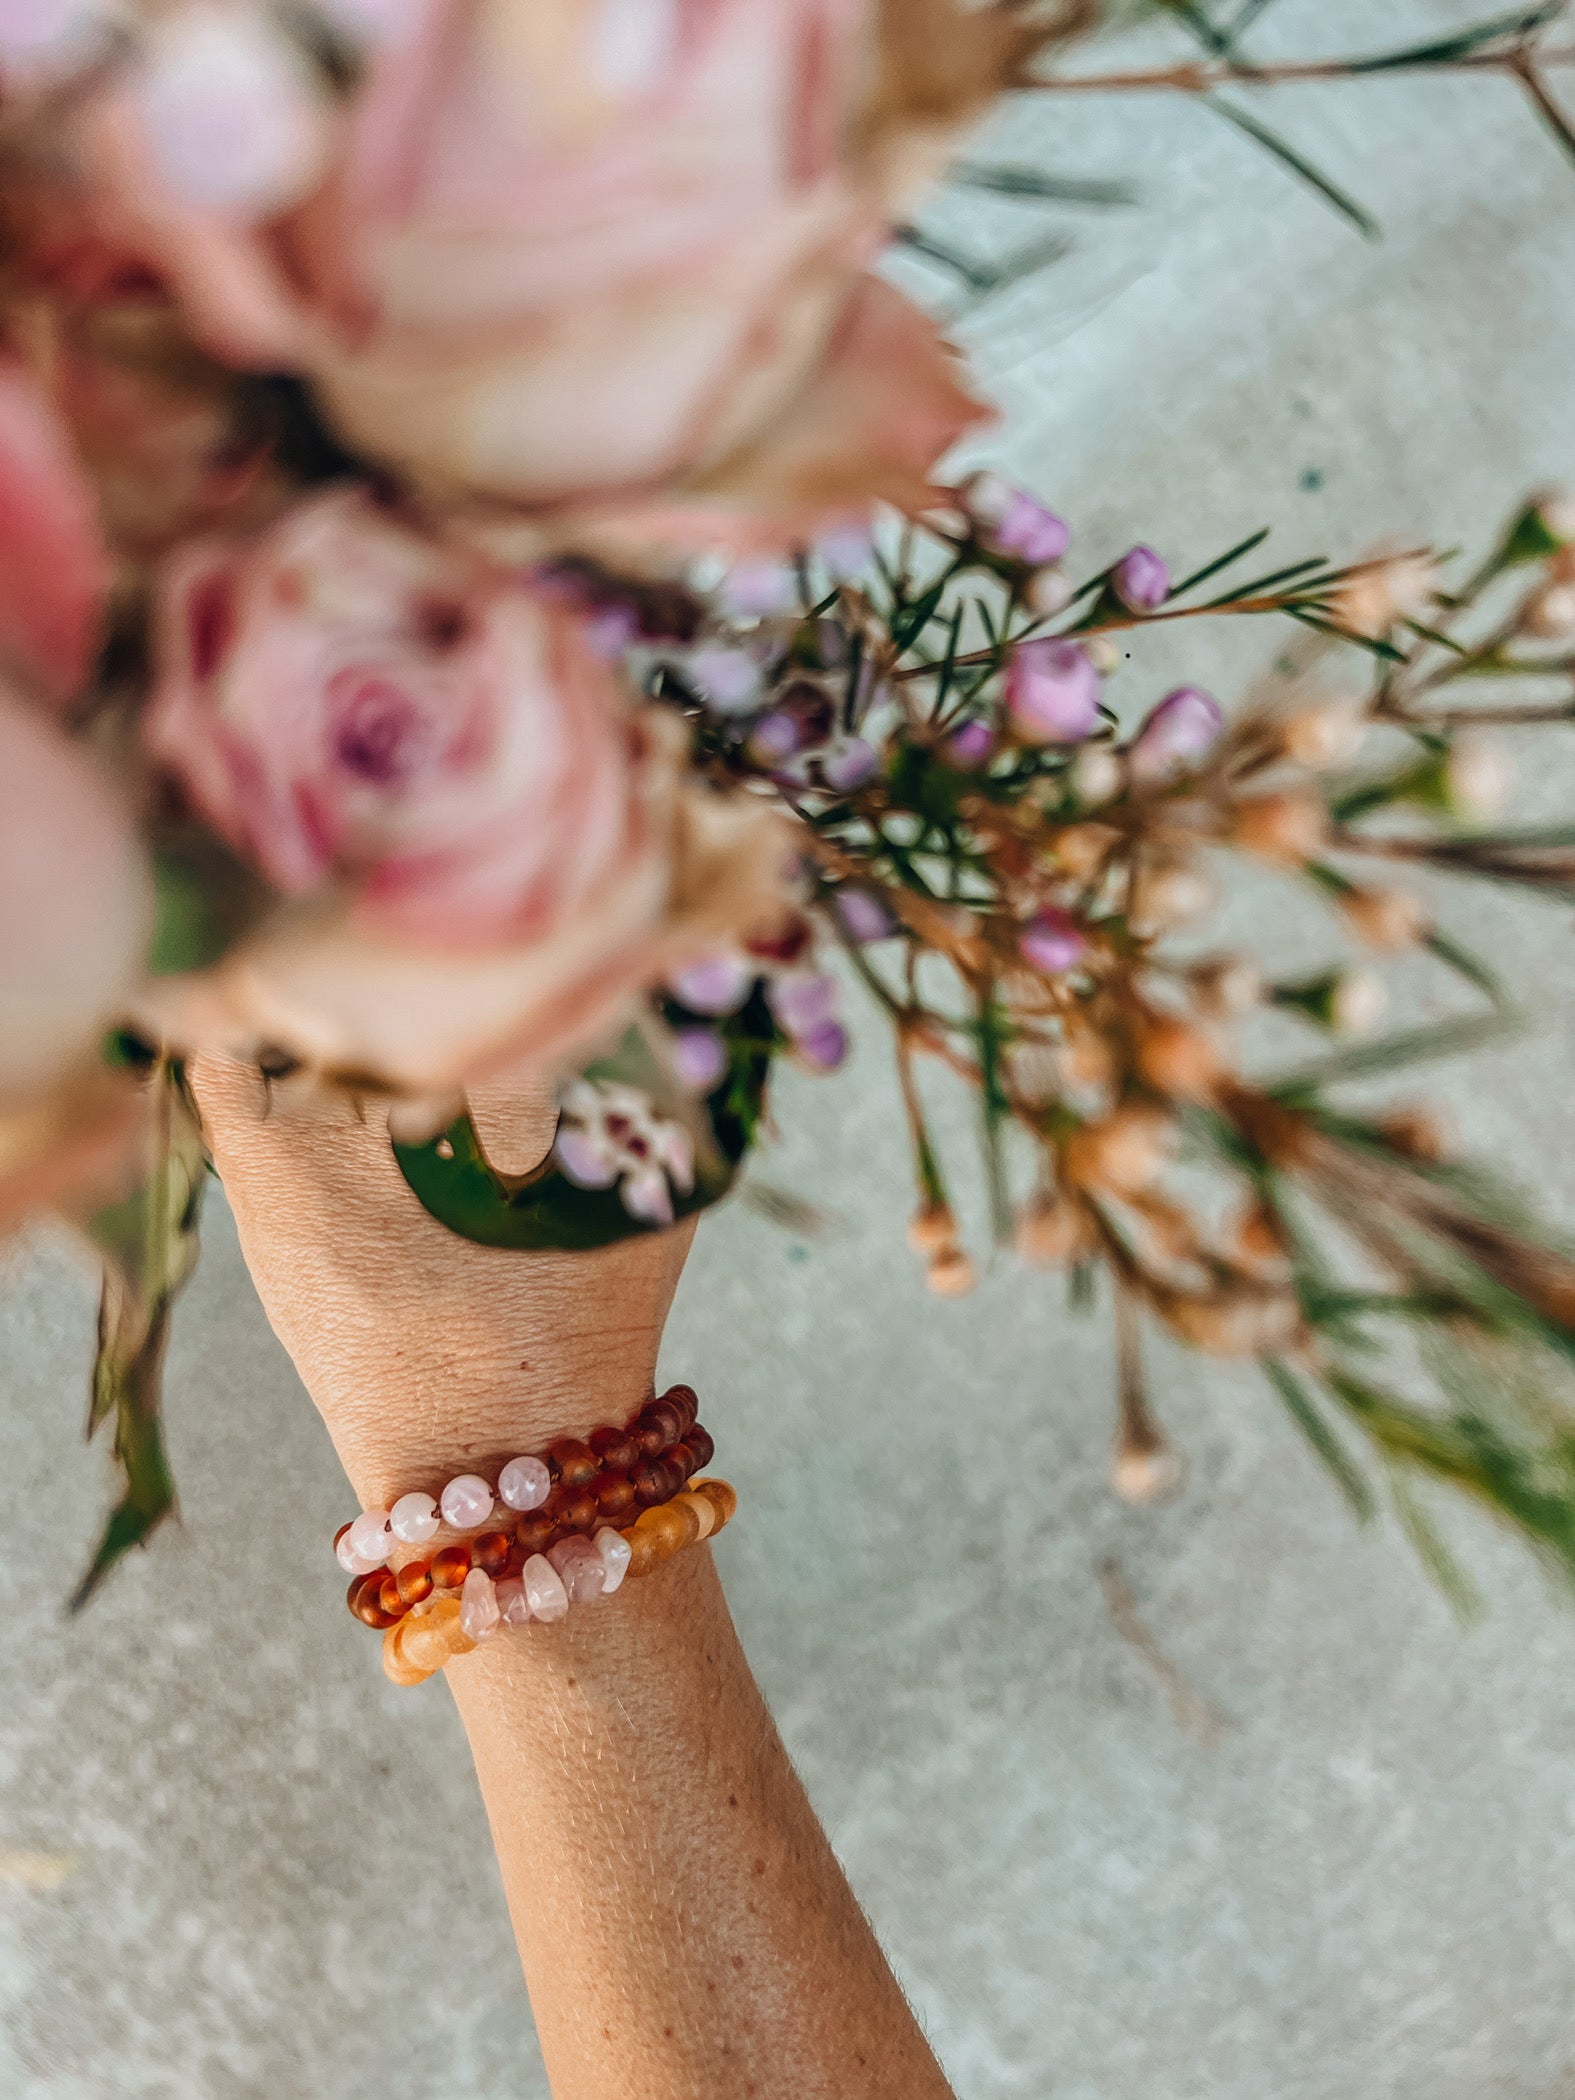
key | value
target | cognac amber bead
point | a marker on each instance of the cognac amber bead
(362, 1598)
(616, 1449)
(655, 1481)
(572, 1462)
(414, 1581)
(687, 1402)
(536, 1533)
(450, 1567)
(490, 1552)
(658, 1426)
(614, 1492)
(394, 1606)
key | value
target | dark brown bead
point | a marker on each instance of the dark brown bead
(572, 1462)
(687, 1402)
(614, 1492)
(579, 1511)
(415, 1582)
(658, 1427)
(536, 1533)
(450, 1567)
(616, 1448)
(490, 1551)
(698, 1440)
(654, 1481)
(681, 1459)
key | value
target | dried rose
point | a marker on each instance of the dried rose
(493, 846)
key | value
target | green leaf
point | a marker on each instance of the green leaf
(1298, 164)
(457, 1184)
(149, 1249)
(911, 622)
(1014, 181)
(1444, 51)
(1220, 562)
(205, 900)
(1305, 1413)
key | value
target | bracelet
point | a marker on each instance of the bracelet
(438, 1628)
(571, 1489)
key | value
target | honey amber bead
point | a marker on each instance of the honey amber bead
(722, 1498)
(705, 1514)
(616, 1448)
(673, 1527)
(655, 1481)
(687, 1402)
(572, 1462)
(614, 1492)
(427, 1639)
(646, 1551)
(450, 1567)
(415, 1582)
(490, 1552)
(536, 1533)
(658, 1426)
(395, 1666)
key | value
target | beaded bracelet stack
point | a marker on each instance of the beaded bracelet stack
(574, 1523)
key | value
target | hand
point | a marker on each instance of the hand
(426, 1354)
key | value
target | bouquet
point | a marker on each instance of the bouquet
(482, 594)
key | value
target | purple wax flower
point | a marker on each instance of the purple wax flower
(612, 630)
(864, 917)
(850, 764)
(700, 1058)
(970, 745)
(716, 984)
(803, 1001)
(1051, 941)
(824, 1047)
(1141, 580)
(846, 550)
(727, 680)
(1183, 729)
(1052, 691)
(754, 590)
(774, 739)
(1031, 531)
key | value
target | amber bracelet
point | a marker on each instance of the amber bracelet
(438, 1628)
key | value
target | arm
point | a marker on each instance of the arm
(685, 1929)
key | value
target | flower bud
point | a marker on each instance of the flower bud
(713, 984)
(1176, 737)
(850, 764)
(1555, 510)
(1052, 692)
(1390, 920)
(699, 1059)
(1124, 1153)
(970, 745)
(1178, 1060)
(1548, 614)
(1242, 1320)
(932, 1228)
(758, 590)
(1287, 829)
(950, 1274)
(1083, 849)
(1382, 594)
(1144, 1469)
(1226, 986)
(727, 680)
(1103, 653)
(1478, 777)
(1015, 523)
(1328, 734)
(1357, 1002)
(1167, 894)
(1257, 1244)
(1416, 1132)
(1096, 775)
(1052, 942)
(1054, 1231)
(1141, 580)
(863, 915)
(1048, 593)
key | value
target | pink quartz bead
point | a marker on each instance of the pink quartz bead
(414, 1519)
(524, 1483)
(479, 1614)
(544, 1590)
(513, 1604)
(352, 1562)
(581, 1567)
(370, 1539)
(615, 1554)
(467, 1502)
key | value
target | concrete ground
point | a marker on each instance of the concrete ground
(1361, 1884)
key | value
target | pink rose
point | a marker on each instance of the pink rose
(53, 568)
(75, 903)
(597, 257)
(493, 847)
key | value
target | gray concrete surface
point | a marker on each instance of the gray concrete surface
(1365, 1888)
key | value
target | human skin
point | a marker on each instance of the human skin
(685, 1929)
